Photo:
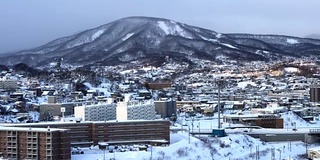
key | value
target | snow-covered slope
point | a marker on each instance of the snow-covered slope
(136, 38)
(234, 146)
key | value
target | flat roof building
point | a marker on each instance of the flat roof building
(90, 133)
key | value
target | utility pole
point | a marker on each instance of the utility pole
(273, 155)
(219, 83)
(219, 88)
(104, 154)
(189, 134)
(257, 153)
(192, 123)
(279, 150)
(306, 143)
(199, 128)
(151, 152)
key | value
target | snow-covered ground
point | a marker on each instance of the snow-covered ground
(233, 146)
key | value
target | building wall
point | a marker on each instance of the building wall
(122, 111)
(49, 109)
(158, 86)
(141, 111)
(314, 93)
(279, 137)
(79, 112)
(100, 112)
(33, 144)
(161, 108)
(89, 133)
(8, 84)
(69, 108)
(268, 122)
(131, 131)
(54, 109)
(52, 99)
(79, 132)
(181, 103)
(165, 108)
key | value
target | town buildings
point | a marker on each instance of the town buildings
(114, 117)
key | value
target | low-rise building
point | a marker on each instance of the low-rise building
(52, 109)
(115, 132)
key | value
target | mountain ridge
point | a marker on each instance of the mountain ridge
(142, 38)
(313, 36)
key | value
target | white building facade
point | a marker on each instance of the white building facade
(96, 112)
(136, 110)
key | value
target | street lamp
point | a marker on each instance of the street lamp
(189, 134)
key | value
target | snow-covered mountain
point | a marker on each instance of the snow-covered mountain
(314, 36)
(147, 39)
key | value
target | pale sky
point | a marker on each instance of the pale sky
(27, 24)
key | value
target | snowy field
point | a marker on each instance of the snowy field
(233, 147)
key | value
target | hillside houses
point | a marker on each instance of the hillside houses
(245, 87)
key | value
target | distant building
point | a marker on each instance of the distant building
(8, 84)
(315, 93)
(144, 93)
(166, 108)
(180, 104)
(262, 120)
(52, 109)
(158, 86)
(265, 121)
(77, 95)
(34, 143)
(180, 87)
(16, 96)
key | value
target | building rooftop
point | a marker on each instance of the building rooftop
(31, 129)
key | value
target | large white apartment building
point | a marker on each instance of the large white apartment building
(135, 110)
(96, 112)
(127, 110)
